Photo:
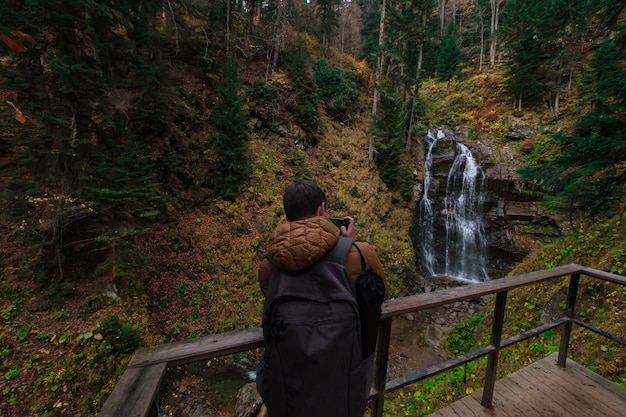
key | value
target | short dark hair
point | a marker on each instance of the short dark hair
(301, 200)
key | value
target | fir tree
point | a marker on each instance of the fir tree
(307, 114)
(449, 56)
(390, 133)
(588, 177)
(81, 174)
(232, 140)
(523, 43)
(338, 89)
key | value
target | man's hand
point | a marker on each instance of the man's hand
(350, 231)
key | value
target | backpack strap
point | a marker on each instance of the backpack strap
(339, 253)
(363, 264)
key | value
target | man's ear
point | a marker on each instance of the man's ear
(321, 209)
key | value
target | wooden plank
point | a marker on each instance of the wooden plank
(475, 406)
(588, 375)
(546, 390)
(508, 402)
(565, 387)
(134, 392)
(199, 349)
(464, 409)
(533, 396)
(434, 299)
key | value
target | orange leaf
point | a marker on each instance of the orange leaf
(16, 46)
(18, 113)
(49, 36)
(23, 36)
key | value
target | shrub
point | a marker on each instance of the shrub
(120, 335)
(336, 88)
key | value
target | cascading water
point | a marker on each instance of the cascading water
(458, 249)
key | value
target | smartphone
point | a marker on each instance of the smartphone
(339, 221)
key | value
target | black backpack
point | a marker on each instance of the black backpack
(312, 365)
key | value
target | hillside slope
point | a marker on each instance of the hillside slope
(62, 356)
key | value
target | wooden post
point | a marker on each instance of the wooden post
(496, 338)
(382, 359)
(569, 313)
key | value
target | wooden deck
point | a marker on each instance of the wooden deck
(545, 390)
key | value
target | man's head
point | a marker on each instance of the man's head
(302, 200)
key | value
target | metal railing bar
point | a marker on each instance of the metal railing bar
(600, 332)
(496, 339)
(430, 371)
(381, 362)
(533, 332)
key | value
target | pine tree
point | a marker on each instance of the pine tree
(523, 44)
(328, 19)
(589, 175)
(337, 89)
(449, 56)
(232, 140)
(81, 174)
(299, 70)
(390, 132)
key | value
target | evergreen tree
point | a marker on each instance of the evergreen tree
(299, 71)
(336, 88)
(391, 126)
(475, 33)
(328, 19)
(81, 173)
(523, 44)
(588, 176)
(232, 140)
(449, 56)
(370, 30)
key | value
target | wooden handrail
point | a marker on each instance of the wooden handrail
(134, 393)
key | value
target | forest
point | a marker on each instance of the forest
(144, 146)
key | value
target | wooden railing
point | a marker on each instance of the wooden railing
(134, 394)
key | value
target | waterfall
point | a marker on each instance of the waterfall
(458, 248)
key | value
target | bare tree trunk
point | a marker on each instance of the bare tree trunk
(454, 12)
(344, 12)
(442, 14)
(280, 32)
(171, 9)
(555, 109)
(409, 137)
(227, 28)
(481, 60)
(379, 68)
(495, 17)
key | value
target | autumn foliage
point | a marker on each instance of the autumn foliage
(15, 45)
